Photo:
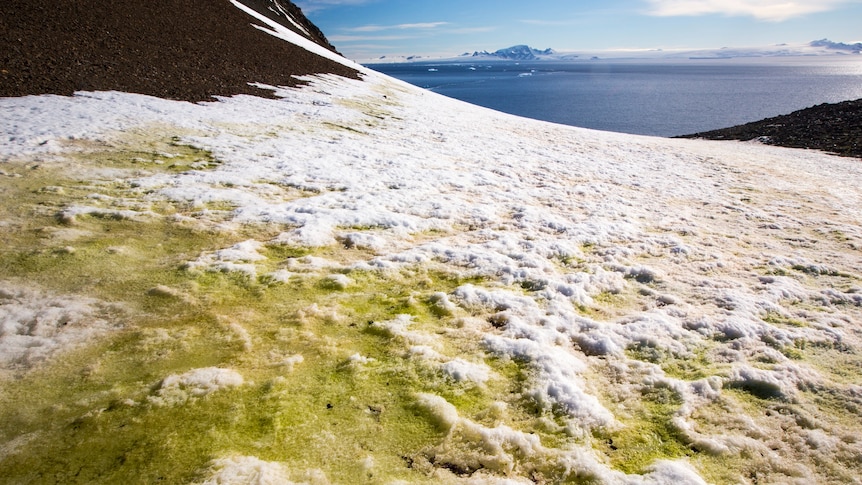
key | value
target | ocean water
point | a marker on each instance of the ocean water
(648, 97)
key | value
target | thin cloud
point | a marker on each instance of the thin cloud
(472, 30)
(416, 26)
(362, 38)
(366, 28)
(769, 10)
(316, 5)
(411, 31)
(547, 23)
(425, 25)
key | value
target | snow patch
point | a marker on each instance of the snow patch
(196, 383)
(237, 258)
(35, 324)
(251, 470)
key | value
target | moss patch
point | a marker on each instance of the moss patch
(647, 434)
(691, 368)
(321, 390)
(348, 398)
(775, 318)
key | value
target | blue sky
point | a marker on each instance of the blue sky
(365, 29)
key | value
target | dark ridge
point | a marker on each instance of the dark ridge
(834, 128)
(278, 10)
(177, 49)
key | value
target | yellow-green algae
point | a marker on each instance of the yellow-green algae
(646, 433)
(90, 414)
(697, 365)
(87, 415)
(776, 318)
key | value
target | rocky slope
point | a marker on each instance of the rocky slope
(175, 49)
(835, 128)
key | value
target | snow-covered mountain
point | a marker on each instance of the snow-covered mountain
(514, 53)
(838, 46)
(357, 280)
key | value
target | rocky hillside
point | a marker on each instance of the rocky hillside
(835, 128)
(175, 49)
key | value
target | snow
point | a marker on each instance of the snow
(462, 370)
(178, 389)
(236, 258)
(283, 32)
(338, 281)
(289, 17)
(248, 470)
(36, 324)
(583, 246)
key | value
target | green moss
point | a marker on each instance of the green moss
(85, 417)
(687, 370)
(840, 362)
(327, 407)
(313, 419)
(88, 416)
(697, 366)
(608, 298)
(791, 352)
(116, 260)
(776, 318)
(840, 236)
(647, 435)
(588, 311)
(328, 411)
(608, 305)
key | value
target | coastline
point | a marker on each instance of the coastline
(830, 127)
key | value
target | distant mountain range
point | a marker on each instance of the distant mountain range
(523, 52)
(514, 53)
(854, 48)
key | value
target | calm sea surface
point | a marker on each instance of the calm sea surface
(649, 97)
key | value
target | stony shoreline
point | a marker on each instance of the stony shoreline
(830, 127)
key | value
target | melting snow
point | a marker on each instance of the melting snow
(179, 388)
(35, 324)
(249, 470)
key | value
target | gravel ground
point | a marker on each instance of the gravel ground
(176, 49)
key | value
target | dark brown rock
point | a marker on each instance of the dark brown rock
(834, 128)
(177, 49)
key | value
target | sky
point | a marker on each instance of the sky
(367, 29)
